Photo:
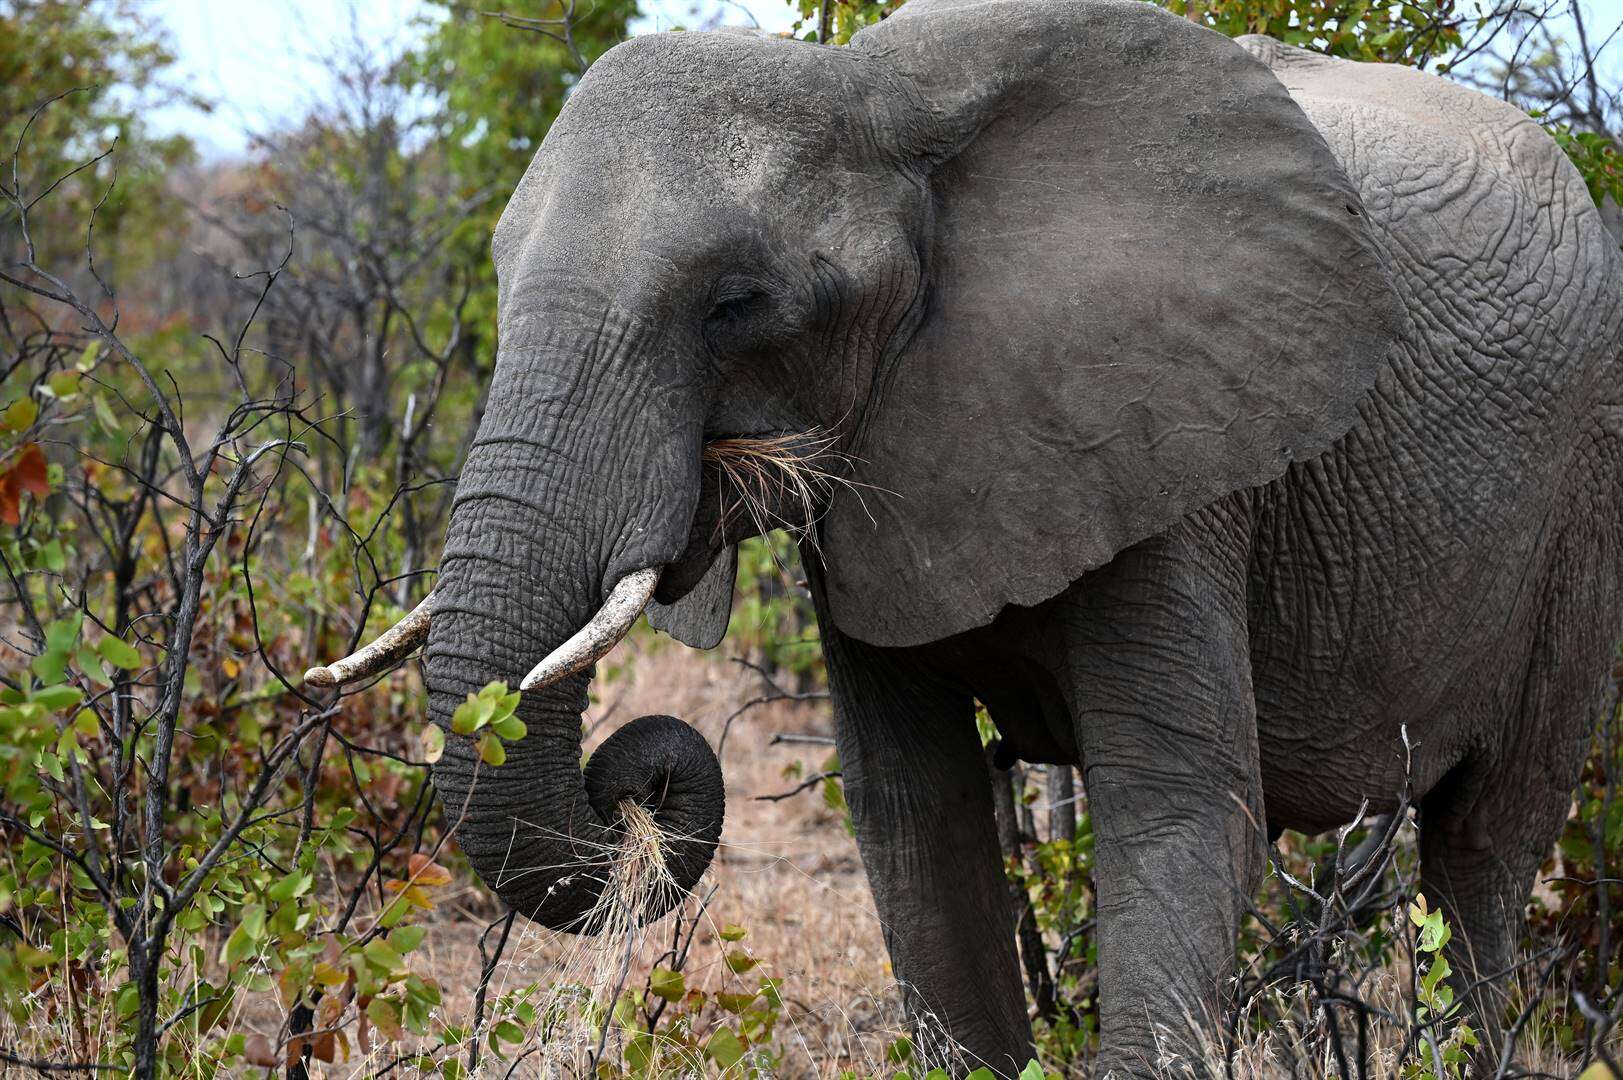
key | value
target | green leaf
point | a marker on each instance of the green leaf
(472, 715)
(733, 932)
(1032, 1071)
(392, 915)
(491, 750)
(769, 991)
(89, 662)
(639, 1052)
(51, 666)
(385, 1016)
(403, 939)
(735, 1003)
(900, 1052)
(238, 947)
(724, 1048)
(61, 634)
(382, 956)
(57, 698)
(510, 728)
(507, 1031)
(104, 415)
(51, 556)
(834, 795)
(294, 884)
(19, 414)
(739, 961)
(119, 653)
(668, 984)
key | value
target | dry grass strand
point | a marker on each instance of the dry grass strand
(780, 480)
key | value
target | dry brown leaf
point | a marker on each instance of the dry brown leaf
(257, 1050)
(27, 473)
(425, 871)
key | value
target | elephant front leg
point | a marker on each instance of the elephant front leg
(1161, 689)
(921, 802)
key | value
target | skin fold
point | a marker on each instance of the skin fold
(1214, 413)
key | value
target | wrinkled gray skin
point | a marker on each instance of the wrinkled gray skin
(1225, 409)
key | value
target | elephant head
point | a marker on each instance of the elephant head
(1038, 294)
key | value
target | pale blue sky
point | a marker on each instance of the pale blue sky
(261, 60)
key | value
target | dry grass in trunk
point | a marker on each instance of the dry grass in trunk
(576, 1004)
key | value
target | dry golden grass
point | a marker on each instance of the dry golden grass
(779, 480)
(1299, 1050)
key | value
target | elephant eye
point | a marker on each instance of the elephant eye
(736, 305)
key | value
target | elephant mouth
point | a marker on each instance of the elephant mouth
(750, 484)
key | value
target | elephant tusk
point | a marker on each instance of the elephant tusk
(391, 646)
(591, 642)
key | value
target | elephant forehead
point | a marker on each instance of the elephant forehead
(675, 140)
(674, 95)
(708, 110)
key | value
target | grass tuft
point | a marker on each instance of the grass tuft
(779, 481)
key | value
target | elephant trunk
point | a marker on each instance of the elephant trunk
(556, 504)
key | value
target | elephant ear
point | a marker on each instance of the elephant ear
(699, 619)
(1151, 285)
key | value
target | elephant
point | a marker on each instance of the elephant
(1239, 423)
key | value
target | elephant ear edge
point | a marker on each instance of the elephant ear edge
(1152, 285)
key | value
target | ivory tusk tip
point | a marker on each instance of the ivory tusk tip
(538, 679)
(320, 676)
(593, 641)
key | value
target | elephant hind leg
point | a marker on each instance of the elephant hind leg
(1486, 830)
(1479, 865)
